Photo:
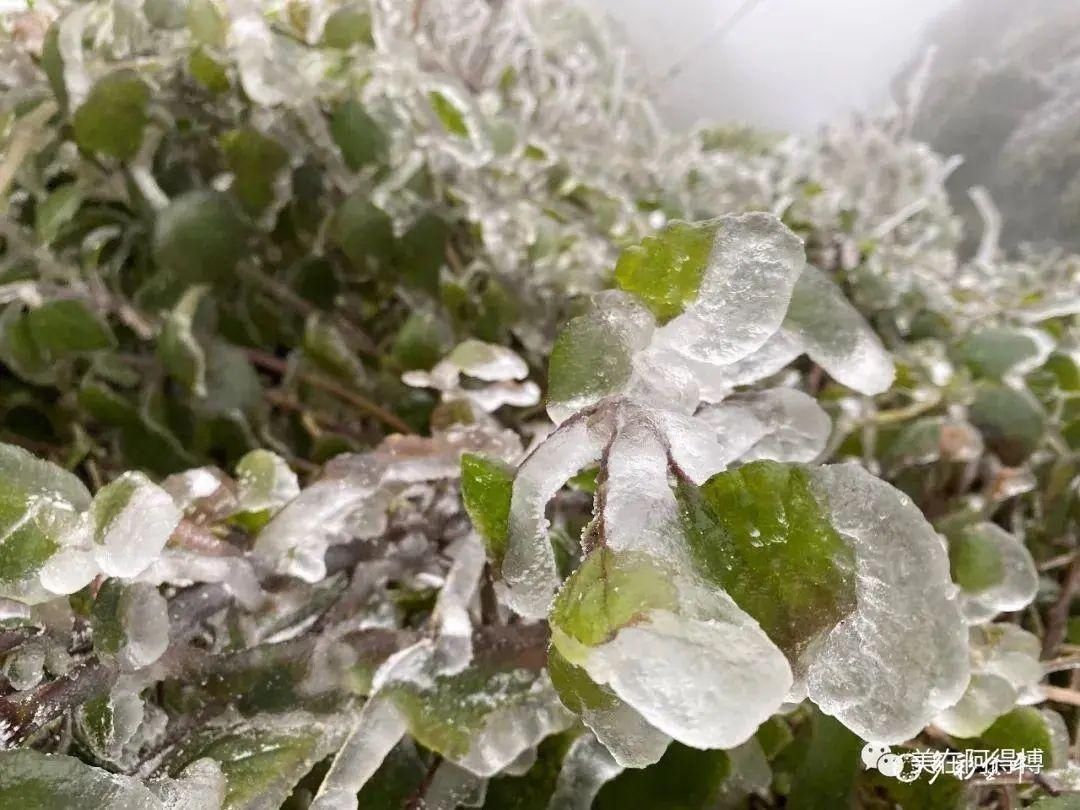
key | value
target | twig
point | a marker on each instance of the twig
(279, 366)
(1057, 617)
(1059, 694)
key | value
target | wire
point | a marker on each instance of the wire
(721, 29)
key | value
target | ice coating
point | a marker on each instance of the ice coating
(1020, 579)
(901, 658)
(378, 728)
(265, 482)
(145, 621)
(744, 294)
(1006, 672)
(453, 650)
(488, 361)
(781, 424)
(132, 520)
(631, 740)
(586, 768)
(707, 683)
(529, 565)
(68, 782)
(836, 337)
(200, 786)
(579, 375)
(510, 730)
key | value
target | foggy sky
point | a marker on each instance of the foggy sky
(789, 65)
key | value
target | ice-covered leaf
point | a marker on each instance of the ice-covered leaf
(131, 519)
(265, 483)
(677, 652)
(112, 118)
(780, 424)
(628, 737)
(745, 289)
(486, 486)
(593, 356)
(55, 782)
(835, 336)
(199, 237)
(40, 506)
(347, 26)
(262, 757)
(665, 271)
(481, 718)
(207, 22)
(994, 570)
(760, 534)
(586, 768)
(1012, 422)
(997, 352)
(1006, 672)
(130, 622)
(825, 776)
(901, 657)
(107, 724)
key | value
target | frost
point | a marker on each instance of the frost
(901, 657)
(200, 786)
(132, 519)
(995, 572)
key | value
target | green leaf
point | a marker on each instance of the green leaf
(107, 617)
(945, 792)
(67, 326)
(1024, 727)
(396, 781)
(759, 533)
(207, 72)
(607, 592)
(31, 779)
(346, 27)
(665, 270)
(358, 136)
(112, 119)
(975, 560)
(56, 211)
(452, 118)
(420, 343)
(1065, 371)
(39, 503)
(421, 252)
(18, 349)
(327, 348)
(992, 353)
(53, 64)
(255, 161)
(1066, 802)
(486, 485)
(1011, 422)
(363, 231)
(207, 23)
(826, 776)
(683, 779)
(199, 237)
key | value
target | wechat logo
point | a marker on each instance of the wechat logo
(881, 758)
